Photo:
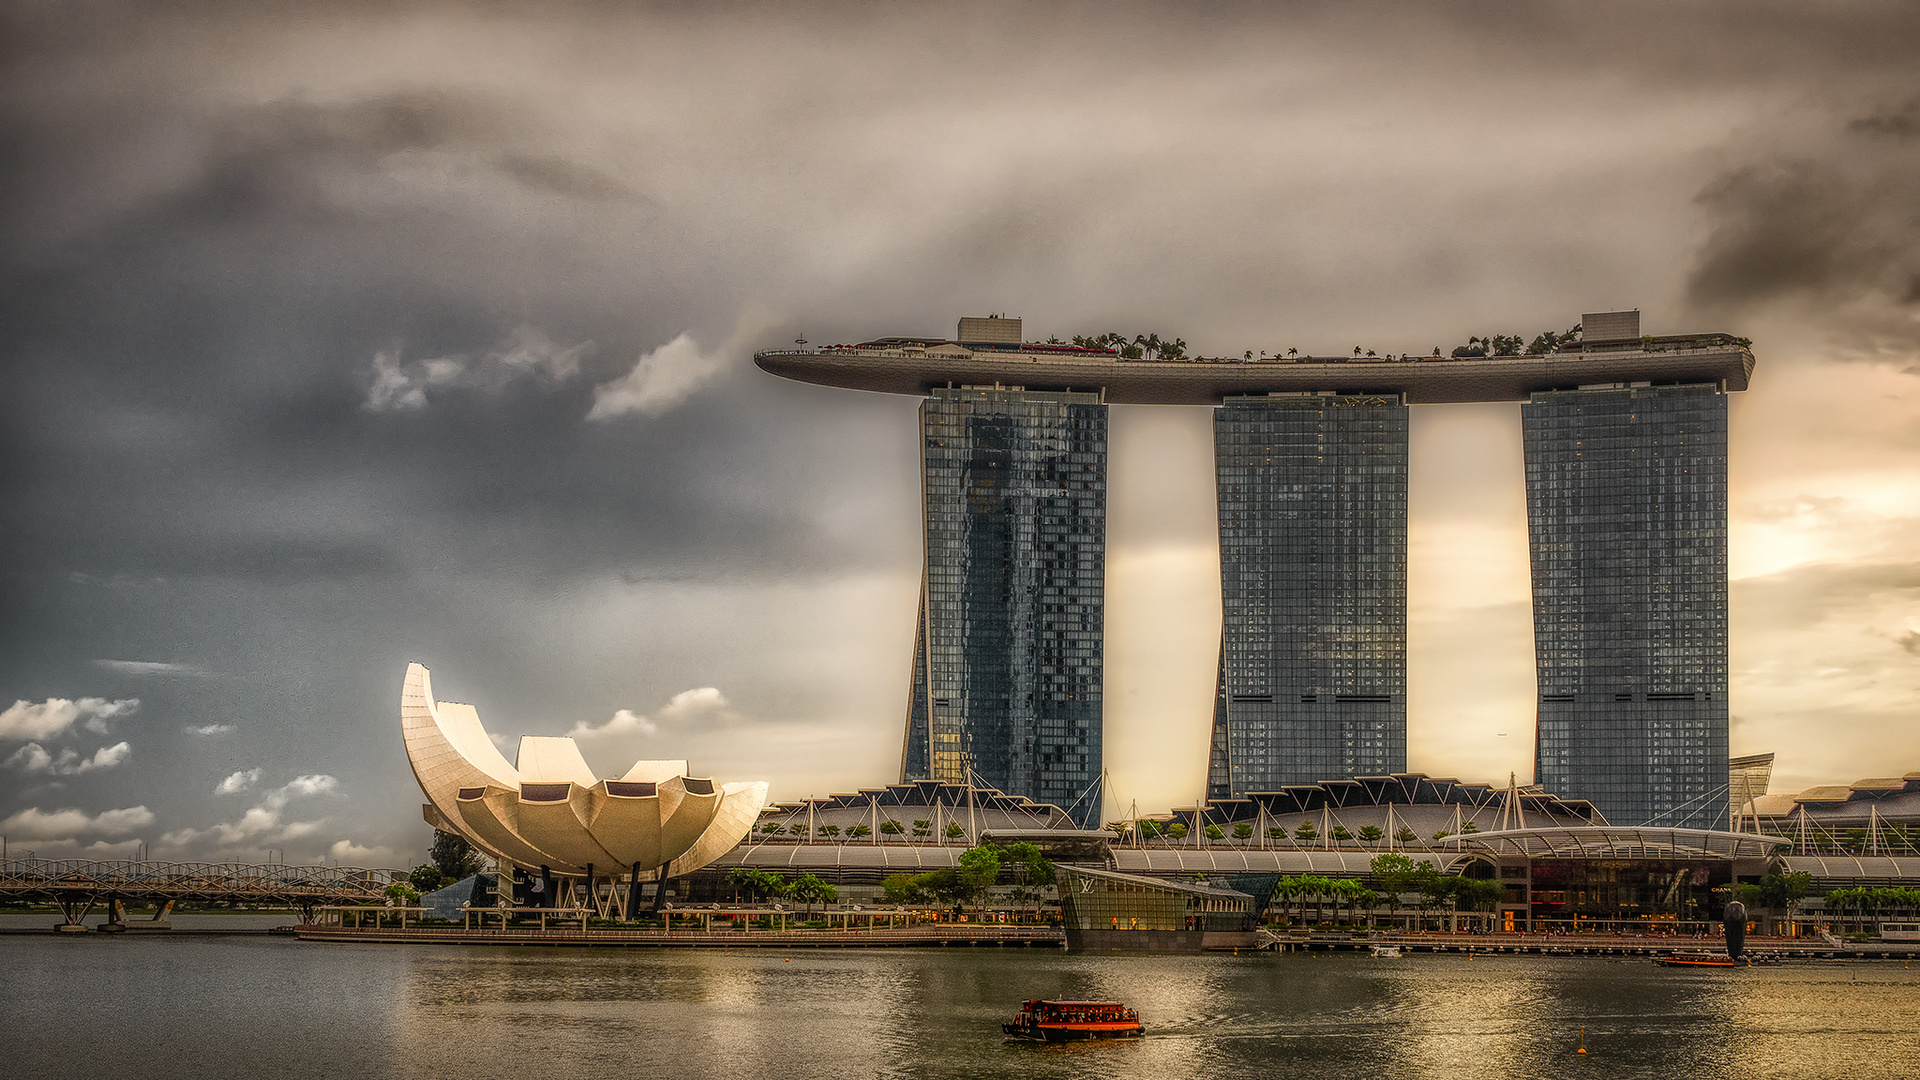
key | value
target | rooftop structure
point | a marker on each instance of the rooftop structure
(911, 813)
(1879, 816)
(898, 365)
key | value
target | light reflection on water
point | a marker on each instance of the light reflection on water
(216, 1007)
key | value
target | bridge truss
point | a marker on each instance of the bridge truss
(77, 885)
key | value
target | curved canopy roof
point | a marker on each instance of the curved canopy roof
(1621, 842)
(548, 808)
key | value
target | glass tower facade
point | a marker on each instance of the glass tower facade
(1627, 522)
(1313, 572)
(1006, 686)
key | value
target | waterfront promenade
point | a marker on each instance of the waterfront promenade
(946, 935)
(926, 935)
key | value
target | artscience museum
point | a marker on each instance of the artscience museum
(548, 812)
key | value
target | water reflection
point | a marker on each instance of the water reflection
(218, 1007)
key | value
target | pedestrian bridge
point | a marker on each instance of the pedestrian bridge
(76, 885)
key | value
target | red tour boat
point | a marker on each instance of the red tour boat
(1074, 1021)
(1689, 959)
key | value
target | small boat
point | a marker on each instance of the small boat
(1702, 960)
(1391, 952)
(1073, 1021)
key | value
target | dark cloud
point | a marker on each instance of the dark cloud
(1831, 225)
(217, 218)
(563, 177)
(1902, 122)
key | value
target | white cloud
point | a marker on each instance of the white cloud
(317, 784)
(70, 848)
(34, 758)
(36, 824)
(142, 668)
(690, 704)
(39, 720)
(398, 385)
(262, 825)
(209, 731)
(238, 782)
(699, 703)
(660, 380)
(348, 853)
(624, 722)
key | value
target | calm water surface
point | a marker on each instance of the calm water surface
(255, 1006)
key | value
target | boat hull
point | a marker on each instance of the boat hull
(1064, 1033)
(1702, 961)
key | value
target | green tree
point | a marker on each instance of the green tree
(979, 870)
(1034, 866)
(891, 827)
(1149, 828)
(1781, 892)
(757, 884)
(1395, 874)
(1341, 832)
(903, 889)
(922, 827)
(1307, 831)
(1177, 830)
(1215, 832)
(402, 892)
(811, 890)
(1371, 833)
(1468, 828)
(954, 831)
(1243, 831)
(453, 855)
(830, 830)
(855, 832)
(1405, 835)
(1276, 832)
(427, 877)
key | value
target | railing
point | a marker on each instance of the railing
(1402, 358)
(26, 878)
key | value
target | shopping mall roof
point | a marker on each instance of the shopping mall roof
(1620, 842)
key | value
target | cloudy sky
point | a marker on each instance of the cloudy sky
(338, 336)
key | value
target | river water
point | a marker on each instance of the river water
(247, 1006)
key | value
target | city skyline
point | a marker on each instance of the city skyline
(424, 334)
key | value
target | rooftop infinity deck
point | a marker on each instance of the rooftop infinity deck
(892, 369)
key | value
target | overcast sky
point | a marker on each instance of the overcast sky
(339, 336)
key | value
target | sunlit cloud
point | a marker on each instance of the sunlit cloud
(36, 824)
(33, 758)
(40, 720)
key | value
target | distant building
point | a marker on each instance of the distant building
(1873, 817)
(1313, 577)
(1747, 779)
(1627, 524)
(1007, 666)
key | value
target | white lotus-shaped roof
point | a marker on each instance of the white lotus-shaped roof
(550, 810)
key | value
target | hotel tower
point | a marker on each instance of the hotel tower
(1626, 450)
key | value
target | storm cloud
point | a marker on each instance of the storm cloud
(343, 335)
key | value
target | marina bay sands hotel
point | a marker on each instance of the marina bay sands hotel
(1626, 472)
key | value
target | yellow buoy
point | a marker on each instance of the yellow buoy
(1583, 1042)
